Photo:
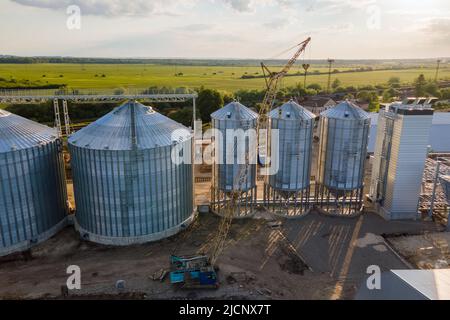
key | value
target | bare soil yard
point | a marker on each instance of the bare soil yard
(315, 257)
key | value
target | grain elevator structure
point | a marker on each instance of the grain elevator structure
(128, 186)
(399, 159)
(235, 146)
(344, 132)
(287, 191)
(33, 194)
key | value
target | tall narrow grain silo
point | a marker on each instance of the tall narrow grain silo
(287, 191)
(33, 193)
(128, 189)
(344, 131)
(235, 144)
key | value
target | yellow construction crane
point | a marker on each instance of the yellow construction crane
(273, 80)
(199, 271)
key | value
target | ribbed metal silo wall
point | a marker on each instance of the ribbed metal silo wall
(226, 173)
(342, 153)
(295, 147)
(33, 196)
(128, 196)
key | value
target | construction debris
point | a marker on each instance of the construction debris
(159, 275)
(426, 251)
(439, 201)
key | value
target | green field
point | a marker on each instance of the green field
(224, 78)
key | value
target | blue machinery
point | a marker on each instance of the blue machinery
(192, 272)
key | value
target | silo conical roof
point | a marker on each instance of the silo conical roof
(234, 111)
(345, 110)
(291, 111)
(18, 133)
(129, 124)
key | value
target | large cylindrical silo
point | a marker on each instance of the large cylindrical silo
(295, 128)
(235, 141)
(128, 187)
(33, 193)
(288, 189)
(235, 123)
(344, 131)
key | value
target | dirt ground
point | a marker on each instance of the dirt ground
(315, 257)
(425, 251)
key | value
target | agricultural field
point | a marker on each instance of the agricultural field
(225, 78)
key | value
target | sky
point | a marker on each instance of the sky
(259, 29)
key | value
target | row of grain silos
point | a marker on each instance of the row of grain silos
(127, 188)
(338, 186)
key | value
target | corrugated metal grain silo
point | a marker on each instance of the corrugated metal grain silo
(235, 145)
(33, 193)
(127, 187)
(233, 116)
(288, 189)
(344, 131)
(295, 126)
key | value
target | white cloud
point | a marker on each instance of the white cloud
(251, 5)
(438, 30)
(240, 5)
(277, 23)
(337, 6)
(111, 8)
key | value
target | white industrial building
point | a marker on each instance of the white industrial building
(402, 140)
(438, 140)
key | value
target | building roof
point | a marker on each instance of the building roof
(316, 101)
(409, 285)
(345, 110)
(18, 133)
(291, 111)
(439, 132)
(130, 125)
(234, 111)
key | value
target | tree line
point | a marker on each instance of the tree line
(209, 100)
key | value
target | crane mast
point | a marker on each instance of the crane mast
(272, 83)
(273, 80)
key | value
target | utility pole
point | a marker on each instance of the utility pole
(437, 70)
(305, 67)
(330, 62)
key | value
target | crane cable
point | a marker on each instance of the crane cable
(242, 176)
(284, 51)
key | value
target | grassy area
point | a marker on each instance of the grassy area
(225, 78)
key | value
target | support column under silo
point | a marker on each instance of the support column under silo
(287, 203)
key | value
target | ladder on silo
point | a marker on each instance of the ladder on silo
(57, 117)
(58, 123)
(66, 118)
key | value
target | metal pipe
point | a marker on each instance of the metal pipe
(433, 195)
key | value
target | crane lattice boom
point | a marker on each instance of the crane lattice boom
(241, 178)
